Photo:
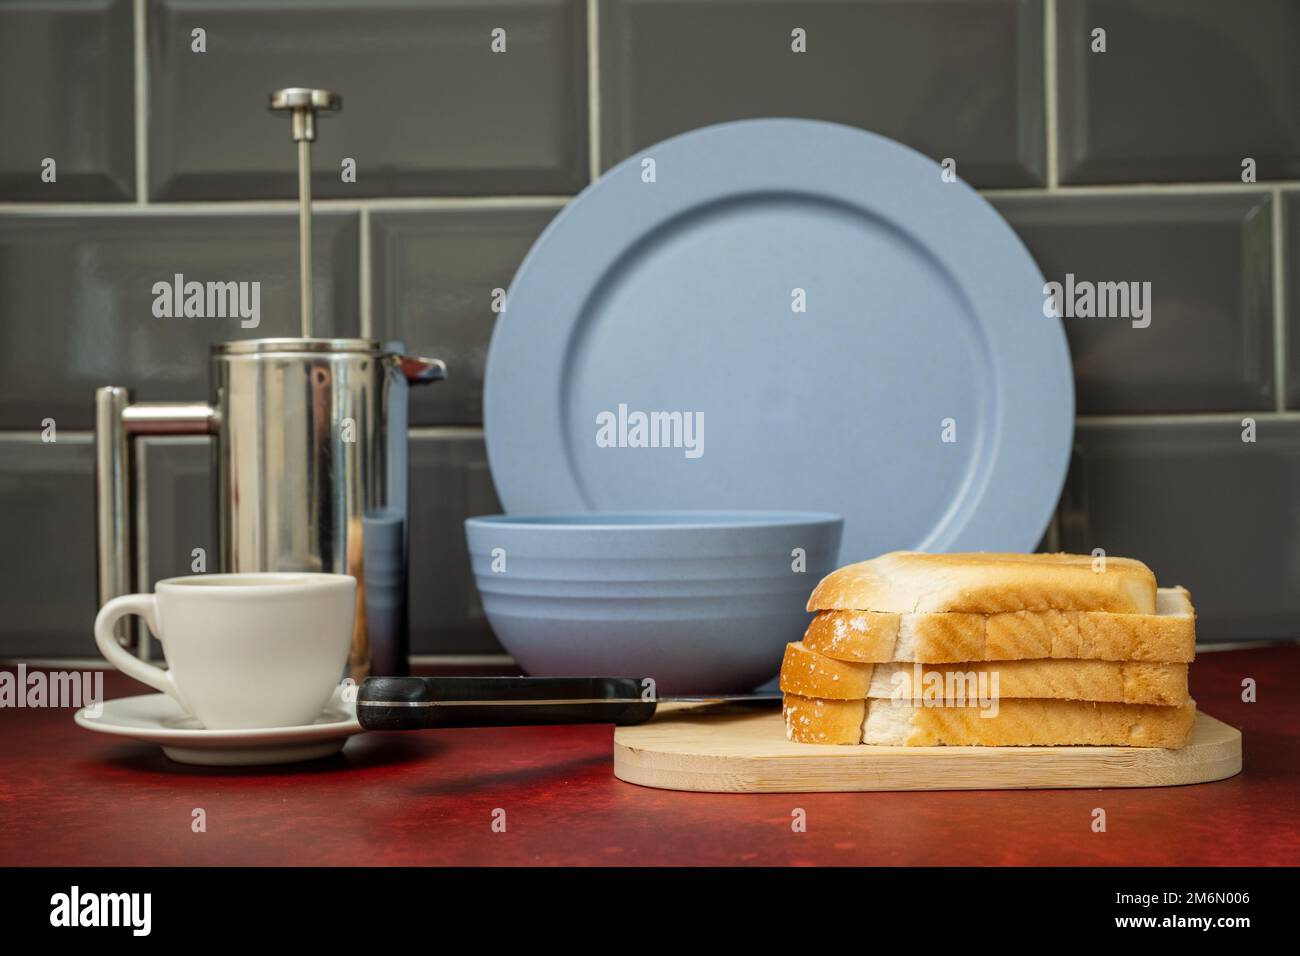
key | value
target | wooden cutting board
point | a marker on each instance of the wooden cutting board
(743, 751)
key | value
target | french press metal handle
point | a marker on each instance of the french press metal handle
(117, 421)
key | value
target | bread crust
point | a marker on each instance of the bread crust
(906, 582)
(1030, 723)
(863, 636)
(873, 636)
(809, 674)
(819, 721)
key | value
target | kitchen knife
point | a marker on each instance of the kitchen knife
(418, 703)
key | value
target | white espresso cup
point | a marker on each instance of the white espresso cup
(243, 650)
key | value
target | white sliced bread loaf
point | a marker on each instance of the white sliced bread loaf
(904, 582)
(1016, 723)
(1167, 636)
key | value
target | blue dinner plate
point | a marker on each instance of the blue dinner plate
(784, 314)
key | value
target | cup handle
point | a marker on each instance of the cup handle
(105, 624)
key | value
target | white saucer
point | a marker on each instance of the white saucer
(156, 718)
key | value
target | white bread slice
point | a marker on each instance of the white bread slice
(1026, 723)
(905, 582)
(812, 720)
(1018, 723)
(1167, 636)
(1121, 682)
(809, 674)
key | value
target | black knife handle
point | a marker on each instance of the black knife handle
(419, 703)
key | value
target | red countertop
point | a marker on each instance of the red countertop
(81, 799)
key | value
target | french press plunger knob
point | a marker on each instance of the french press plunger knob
(302, 105)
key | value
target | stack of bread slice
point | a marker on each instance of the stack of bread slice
(913, 649)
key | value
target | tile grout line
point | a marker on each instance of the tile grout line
(99, 664)
(364, 277)
(419, 203)
(593, 90)
(444, 431)
(1145, 190)
(504, 660)
(1279, 301)
(141, 77)
(1188, 418)
(252, 206)
(1049, 96)
(76, 436)
(80, 435)
(474, 430)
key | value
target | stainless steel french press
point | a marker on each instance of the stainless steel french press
(309, 452)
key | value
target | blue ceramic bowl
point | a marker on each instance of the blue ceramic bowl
(701, 601)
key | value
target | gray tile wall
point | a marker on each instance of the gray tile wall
(1123, 165)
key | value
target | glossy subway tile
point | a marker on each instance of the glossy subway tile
(1183, 91)
(1291, 295)
(429, 108)
(438, 279)
(67, 94)
(174, 508)
(47, 525)
(1208, 259)
(951, 79)
(174, 519)
(1203, 508)
(450, 482)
